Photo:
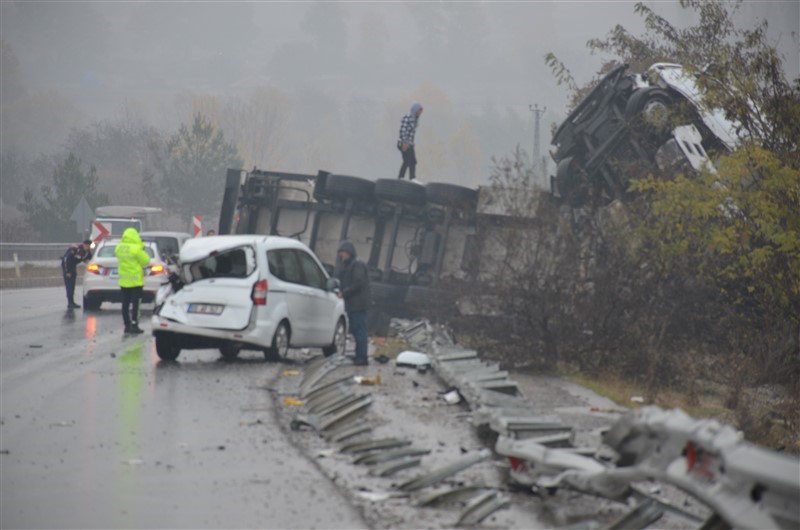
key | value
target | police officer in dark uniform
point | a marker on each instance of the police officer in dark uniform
(77, 253)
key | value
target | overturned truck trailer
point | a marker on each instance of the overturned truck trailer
(424, 244)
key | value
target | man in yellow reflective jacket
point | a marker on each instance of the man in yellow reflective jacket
(132, 261)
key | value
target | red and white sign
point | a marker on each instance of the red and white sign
(197, 225)
(99, 231)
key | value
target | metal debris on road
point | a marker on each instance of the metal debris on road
(386, 456)
(445, 495)
(372, 445)
(481, 507)
(390, 468)
(442, 473)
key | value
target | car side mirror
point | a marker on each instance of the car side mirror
(333, 285)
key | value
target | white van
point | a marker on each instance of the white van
(249, 292)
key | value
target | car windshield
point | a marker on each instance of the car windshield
(107, 251)
(234, 263)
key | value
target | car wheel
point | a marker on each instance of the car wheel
(280, 343)
(451, 195)
(230, 351)
(166, 348)
(91, 304)
(339, 340)
(396, 190)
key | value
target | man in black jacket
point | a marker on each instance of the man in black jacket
(80, 252)
(354, 277)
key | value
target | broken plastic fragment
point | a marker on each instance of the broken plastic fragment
(292, 401)
(414, 359)
(364, 380)
(452, 397)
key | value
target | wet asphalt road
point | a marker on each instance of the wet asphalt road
(98, 433)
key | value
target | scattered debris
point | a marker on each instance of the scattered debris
(364, 380)
(442, 496)
(390, 468)
(372, 445)
(481, 507)
(375, 496)
(412, 359)
(440, 474)
(637, 399)
(452, 397)
(386, 456)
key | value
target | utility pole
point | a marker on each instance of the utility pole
(538, 170)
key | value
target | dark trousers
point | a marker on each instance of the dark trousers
(410, 162)
(69, 283)
(358, 327)
(130, 305)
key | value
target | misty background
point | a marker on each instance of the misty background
(299, 87)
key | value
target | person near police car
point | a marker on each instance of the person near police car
(355, 289)
(132, 261)
(77, 253)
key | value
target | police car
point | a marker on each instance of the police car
(100, 280)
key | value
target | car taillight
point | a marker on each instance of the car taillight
(94, 268)
(259, 295)
(156, 269)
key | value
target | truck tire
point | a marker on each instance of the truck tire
(387, 293)
(452, 195)
(653, 105)
(403, 191)
(348, 187)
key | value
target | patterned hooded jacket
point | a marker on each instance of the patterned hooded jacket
(408, 126)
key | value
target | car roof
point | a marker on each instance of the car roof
(200, 247)
(117, 241)
(165, 233)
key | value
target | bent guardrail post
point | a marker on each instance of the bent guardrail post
(747, 486)
(481, 507)
(442, 473)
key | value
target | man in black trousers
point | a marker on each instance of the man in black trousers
(77, 253)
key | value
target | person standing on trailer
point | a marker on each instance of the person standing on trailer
(408, 127)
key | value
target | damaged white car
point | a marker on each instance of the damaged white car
(249, 292)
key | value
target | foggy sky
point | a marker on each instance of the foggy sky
(354, 57)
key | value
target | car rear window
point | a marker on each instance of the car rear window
(107, 251)
(234, 263)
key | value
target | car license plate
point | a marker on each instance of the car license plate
(206, 309)
(113, 271)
